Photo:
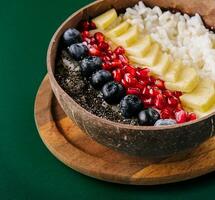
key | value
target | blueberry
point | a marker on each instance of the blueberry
(153, 115)
(113, 92)
(130, 106)
(90, 65)
(143, 118)
(78, 51)
(71, 36)
(163, 122)
(100, 78)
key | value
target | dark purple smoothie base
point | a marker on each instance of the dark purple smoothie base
(69, 77)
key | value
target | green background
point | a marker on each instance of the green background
(27, 169)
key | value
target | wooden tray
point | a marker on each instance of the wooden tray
(78, 151)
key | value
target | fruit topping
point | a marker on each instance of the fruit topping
(192, 116)
(130, 106)
(90, 65)
(143, 118)
(140, 47)
(165, 122)
(202, 97)
(181, 116)
(71, 36)
(187, 81)
(107, 67)
(153, 115)
(118, 30)
(106, 19)
(78, 51)
(100, 78)
(113, 92)
(127, 38)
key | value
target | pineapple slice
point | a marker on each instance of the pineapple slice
(128, 38)
(202, 97)
(141, 47)
(173, 71)
(202, 114)
(116, 22)
(118, 30)
(150, 58)
(161, 65)
(187, 81)
(106, 19)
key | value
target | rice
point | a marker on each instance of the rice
(182, 36)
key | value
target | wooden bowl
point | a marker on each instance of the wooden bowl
(149, 142)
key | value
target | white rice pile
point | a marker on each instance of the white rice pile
(184, 37)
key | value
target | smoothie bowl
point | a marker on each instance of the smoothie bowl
(138, 77)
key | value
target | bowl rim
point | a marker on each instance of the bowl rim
(91, 115)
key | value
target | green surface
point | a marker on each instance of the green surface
(27, 169)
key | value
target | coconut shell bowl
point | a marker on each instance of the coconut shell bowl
(144, 141)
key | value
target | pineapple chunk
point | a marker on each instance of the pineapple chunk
(162, 65)
(187, 81)
(173, 71)
(150, 58)
(106, 19)
(202, 97)
(128, 38)
(118, 30)
(116, 22)
(141, 47)
(202, 114)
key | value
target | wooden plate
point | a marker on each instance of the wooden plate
(78, 151)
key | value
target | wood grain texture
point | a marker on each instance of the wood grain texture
(78, 151)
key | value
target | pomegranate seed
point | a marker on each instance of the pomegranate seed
(129, 69)
(99, 37)
(103, 45)
(166, 114)
(85, 25)
(92, 41)
(105, 58)
(143, 73)
(145, 91)
(107, 66)
(116, 63)
(85, 43)
(167, 93)
(160, 84)
(85, 34)
(94, 51)
(130, 80)
(142, 83)
(123, 59)
(151, 80)
(172, 101)
(147, 102)
(113, 56)
(92, 25)
(109, 52)
(178, 108)
(160, 101)
(177, 94)
(117, 75)
(181, 116)
(134, 91)
(154, 91)
(124, 83)
(192, 116)
(119, 50)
